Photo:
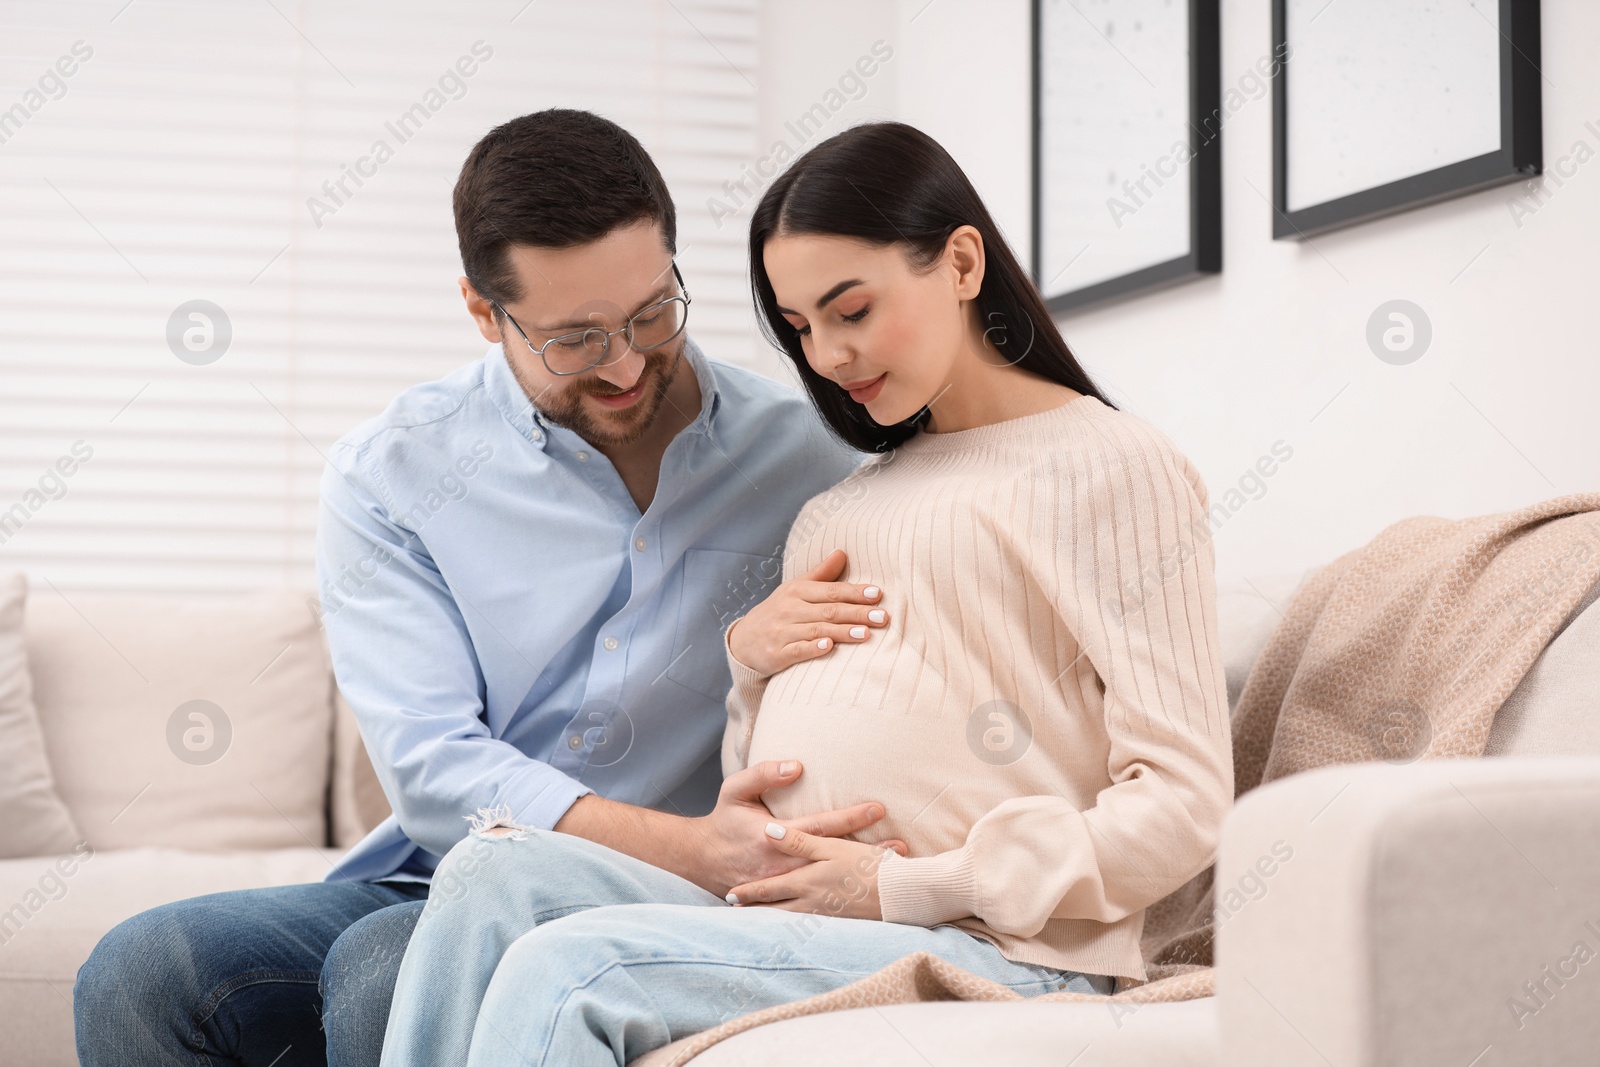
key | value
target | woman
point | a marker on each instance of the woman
(1023, 668)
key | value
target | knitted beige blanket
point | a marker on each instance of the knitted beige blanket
(1401, 650)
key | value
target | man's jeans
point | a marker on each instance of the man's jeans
(294, 976)
(554, 951)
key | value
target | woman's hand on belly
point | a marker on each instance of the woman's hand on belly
(804, 618)
(841, 878)
(728, 846)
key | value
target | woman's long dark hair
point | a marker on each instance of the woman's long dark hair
(890, 183)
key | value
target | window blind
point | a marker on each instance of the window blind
(176, 174)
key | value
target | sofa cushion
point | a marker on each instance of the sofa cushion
(185, 722)
(1555, 709)
(58, 908)
(1248, 610)
(1084, 1034)
(33, 818)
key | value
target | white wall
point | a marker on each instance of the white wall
(804, 52)
(1499, 413)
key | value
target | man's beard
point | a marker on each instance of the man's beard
(565, 407)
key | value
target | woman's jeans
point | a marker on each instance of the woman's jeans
(293, 976)
(546, 949)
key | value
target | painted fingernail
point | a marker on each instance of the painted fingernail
(870, 592)
(787, 767)
(733, 899)
(822, 642)
(776, 831)
(858, 632)
(876, 615)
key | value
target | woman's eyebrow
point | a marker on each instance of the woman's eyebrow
(829, 295)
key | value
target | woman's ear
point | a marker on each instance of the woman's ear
(964, 251)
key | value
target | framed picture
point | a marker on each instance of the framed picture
(1381, 106)
(1127, 150)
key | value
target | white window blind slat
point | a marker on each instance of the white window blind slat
(177, 165)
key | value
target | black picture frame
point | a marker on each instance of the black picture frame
(1204, 256)
(1519, 157)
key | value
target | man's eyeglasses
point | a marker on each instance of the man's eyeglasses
(651, 327)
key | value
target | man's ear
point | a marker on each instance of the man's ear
(482, 312)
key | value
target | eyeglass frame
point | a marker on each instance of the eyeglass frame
(627, 328)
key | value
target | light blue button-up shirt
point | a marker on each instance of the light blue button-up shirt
(511, 631)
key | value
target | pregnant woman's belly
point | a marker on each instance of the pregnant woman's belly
(852, 754)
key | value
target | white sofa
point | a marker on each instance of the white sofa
(1417, 901)
(290, 789)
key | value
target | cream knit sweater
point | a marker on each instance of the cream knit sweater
(1044, 718)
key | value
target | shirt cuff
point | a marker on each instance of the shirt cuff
(553, 800)
(928, 890)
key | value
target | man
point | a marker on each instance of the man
(525, 567)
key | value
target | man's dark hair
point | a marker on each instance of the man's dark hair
(553, 179)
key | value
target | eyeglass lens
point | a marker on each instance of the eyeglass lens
(651, 328)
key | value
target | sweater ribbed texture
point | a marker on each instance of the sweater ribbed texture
(1045, 718)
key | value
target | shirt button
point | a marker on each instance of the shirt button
(538, 435)
(574, 742)
(638, 542)
(583, 456)
(611, 644)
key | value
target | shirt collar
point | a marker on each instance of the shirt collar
(506, 393)
(710, 392)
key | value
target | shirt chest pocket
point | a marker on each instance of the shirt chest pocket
(717, 587)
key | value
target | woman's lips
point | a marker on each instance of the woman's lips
(864, 392)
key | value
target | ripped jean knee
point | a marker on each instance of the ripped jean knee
(476, 860)
(496, 822)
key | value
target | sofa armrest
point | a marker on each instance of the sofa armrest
(1377, 914)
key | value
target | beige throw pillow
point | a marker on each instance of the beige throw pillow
(185, 721)
(33, 819)
(356, 803)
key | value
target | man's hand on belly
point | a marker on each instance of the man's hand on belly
(726, 848)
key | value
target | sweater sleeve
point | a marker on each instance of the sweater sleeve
(744, 700)
(1131, 575)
